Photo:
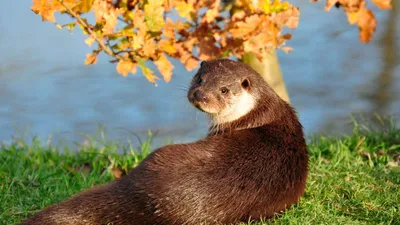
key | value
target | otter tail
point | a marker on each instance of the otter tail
(100, 205)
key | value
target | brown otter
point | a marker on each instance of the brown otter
(253, 163)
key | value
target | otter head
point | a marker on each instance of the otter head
(223, 90)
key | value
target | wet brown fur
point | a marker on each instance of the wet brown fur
(253, 167)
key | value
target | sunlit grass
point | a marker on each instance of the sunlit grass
(353, 179)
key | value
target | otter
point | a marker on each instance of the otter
(252, 164)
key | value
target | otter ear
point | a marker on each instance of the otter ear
(202, 63)
(246, 84)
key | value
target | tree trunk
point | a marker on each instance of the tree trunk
(270, 70)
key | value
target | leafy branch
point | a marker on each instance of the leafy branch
(225, 28)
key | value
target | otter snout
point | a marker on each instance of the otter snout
(198, 96)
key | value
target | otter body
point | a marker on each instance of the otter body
(253, 163)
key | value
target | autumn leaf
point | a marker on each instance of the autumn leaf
(253, 44)
(329, 4)
(89, 41)
(84, 6)
(153, 12)
(165, 67)
(166, 46)
(44, 9)
(289, 18)
(244, 28)
(383, 4)
(125, 66)
(365, 20)
(148, 73)
(70, 26)
(191, 63)
(287, 49)
(137, 42)
(204, 29)
(184, 9)
(207, 49)
(169, 4)
(118, 172)
(91, 58)
(367, 24)
(352, 17)
(213, 12)
(149, 47)
(276, 6)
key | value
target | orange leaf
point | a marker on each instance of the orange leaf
(125, 66)
(91, 58)
(117, 173)
(45, 9)
(289, 18)
(165, 67)
(191, 64)
(365, 20)
(149, 47)
(367, 24)
(245, 28)
(329, 4)
(287, 49)
(383, 4)
(166, 46)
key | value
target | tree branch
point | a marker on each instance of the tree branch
(91, 32)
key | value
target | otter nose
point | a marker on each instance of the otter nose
(199, 96)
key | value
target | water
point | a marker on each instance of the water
(45, 88)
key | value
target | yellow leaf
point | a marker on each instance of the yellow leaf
(184, 9)
(84, 6)
(352, 17)
(91, 59)
(148, 73)
(165, 67)
(153, 12)
(213, 12)
(383, 4)
(137, 42)
(125, 66)
(89, 41)
(265, 5)
(166, 46)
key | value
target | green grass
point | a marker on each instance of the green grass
(353, 179)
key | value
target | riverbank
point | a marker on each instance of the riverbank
(353, 179)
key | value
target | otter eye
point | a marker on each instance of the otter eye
(224, 90)
(246, 84)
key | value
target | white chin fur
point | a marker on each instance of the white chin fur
(243, 105)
